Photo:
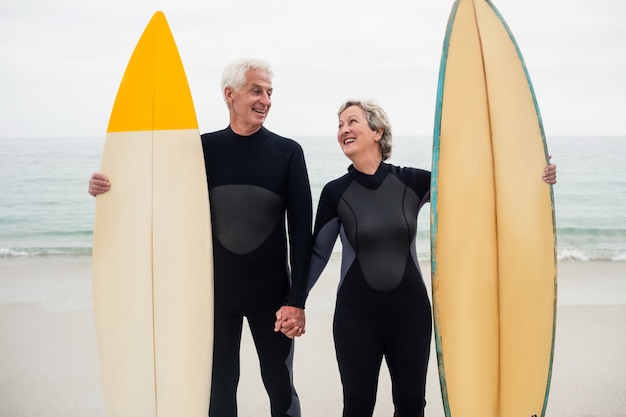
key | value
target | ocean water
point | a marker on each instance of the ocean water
(45, 209)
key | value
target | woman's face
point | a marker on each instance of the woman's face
(355, 137)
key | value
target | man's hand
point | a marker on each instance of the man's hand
(98, 184)
(290, 321)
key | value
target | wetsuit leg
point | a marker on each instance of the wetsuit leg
(408, 378)
(359, 352)
(226, 366)
(275, 352)
(407, 358)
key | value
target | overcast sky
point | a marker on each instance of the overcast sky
(61, 61)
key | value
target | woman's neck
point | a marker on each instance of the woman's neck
(367, 165)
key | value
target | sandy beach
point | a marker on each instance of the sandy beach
(49, 365)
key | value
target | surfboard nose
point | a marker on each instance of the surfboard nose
(154, 93)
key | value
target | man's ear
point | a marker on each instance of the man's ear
(228, 94)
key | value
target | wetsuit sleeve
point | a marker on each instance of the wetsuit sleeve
(299, 220)
(325, 234)
(419, 181)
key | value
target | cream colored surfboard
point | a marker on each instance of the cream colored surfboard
(152, 253)
(492, 224)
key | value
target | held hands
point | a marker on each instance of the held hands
(290, 321)
(98, 184)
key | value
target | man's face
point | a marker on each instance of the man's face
(251, 103)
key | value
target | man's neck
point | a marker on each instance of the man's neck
(245, 130)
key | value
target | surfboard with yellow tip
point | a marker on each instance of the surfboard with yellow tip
(152, 248)
(492, 225)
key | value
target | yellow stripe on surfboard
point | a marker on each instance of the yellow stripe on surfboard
(493, 233)
(154, 70)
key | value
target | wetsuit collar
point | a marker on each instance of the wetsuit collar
(256, 136)
(246, 141)
(370, 181)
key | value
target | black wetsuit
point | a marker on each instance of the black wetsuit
(382, 305)
(253, 182)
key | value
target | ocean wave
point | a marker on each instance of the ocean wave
(590, 255)
(41, 252)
